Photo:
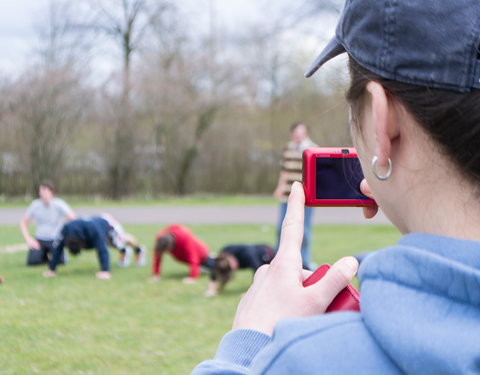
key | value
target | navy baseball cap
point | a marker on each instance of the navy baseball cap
(432, 43)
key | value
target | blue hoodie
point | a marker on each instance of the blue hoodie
(92, 231)
(420, 314)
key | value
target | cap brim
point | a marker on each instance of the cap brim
(333, 48)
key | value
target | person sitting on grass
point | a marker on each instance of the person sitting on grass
(91, 233)
(49, 213)
(183, 246)
(124, 242)
(233, 257)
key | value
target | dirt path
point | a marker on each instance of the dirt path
(189, 215)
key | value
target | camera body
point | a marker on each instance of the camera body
(347, 300)
(331, 178)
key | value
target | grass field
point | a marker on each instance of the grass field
(188, 200)
(75, 324)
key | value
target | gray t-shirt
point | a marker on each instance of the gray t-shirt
(49, 219)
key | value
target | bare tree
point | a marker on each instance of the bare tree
(187, 108)
(125, 23)
(46, 107)
(3, 100)
(47, 101)
(189, 82)
(204, 120)
(57, 45)
(183, 89)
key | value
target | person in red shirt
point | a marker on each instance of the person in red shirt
(184, 247)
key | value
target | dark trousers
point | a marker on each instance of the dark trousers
(43, 255)
(208, 264)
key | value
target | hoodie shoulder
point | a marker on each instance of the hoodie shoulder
(334, 343)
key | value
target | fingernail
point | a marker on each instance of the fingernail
(352, 263)
(364, 187)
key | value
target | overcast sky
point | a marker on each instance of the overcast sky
(16, 32)
(18, 19)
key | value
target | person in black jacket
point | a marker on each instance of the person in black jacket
(91, 233)
(233, 257)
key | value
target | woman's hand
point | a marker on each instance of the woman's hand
(277, 291)
(371, 211)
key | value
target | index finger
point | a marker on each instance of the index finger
(292, 228)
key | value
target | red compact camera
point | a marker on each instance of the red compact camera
(347, 300)
(332, 176)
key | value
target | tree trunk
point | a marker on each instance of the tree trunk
(205, 120)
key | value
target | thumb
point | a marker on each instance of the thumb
(365, 189)
(336, 279)
(369, 211)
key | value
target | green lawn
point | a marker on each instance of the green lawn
(189, 200)
(75, 324)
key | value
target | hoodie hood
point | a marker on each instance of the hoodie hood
(420, 300)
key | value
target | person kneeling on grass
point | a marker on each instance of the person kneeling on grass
(49, 214)
(91, 233)
(183, 246)
(233, 257)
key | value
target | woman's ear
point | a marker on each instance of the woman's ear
(384, 121)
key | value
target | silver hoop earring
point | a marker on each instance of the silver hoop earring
(387, 175)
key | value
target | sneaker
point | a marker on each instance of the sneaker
(141, 257)
(124, 259)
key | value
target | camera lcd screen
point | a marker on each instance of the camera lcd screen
(338, 178)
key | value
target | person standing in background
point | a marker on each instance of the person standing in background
(49, 214)
(291, 171)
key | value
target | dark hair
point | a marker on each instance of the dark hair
(48, 184)
(450, 118)
(74, 244)
(164, 242)
(223, 271)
